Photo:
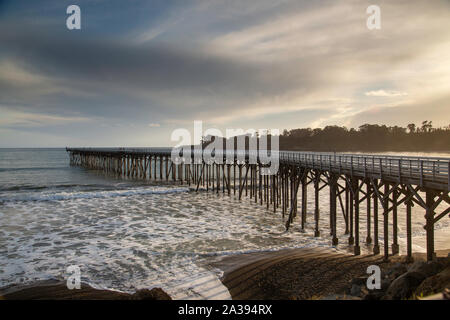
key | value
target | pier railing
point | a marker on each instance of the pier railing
(421, 170)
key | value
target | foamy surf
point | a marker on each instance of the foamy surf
(59, 196)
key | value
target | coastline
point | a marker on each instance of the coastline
(299, 274)
(287, 274)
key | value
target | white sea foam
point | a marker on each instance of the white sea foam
(135, 238)
(58, 196)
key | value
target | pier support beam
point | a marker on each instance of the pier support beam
(395, 247)
(351, 239)
(332, 181)
(386, 221)
(355, 187)
(304, 198)
(409, 204)
(376, 245)
(429, 227)
(368, 208)
(316, 203)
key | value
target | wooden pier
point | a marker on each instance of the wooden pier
(379, 182)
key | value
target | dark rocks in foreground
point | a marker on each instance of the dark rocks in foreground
(58, 291)
(437, 283)
(153, 294)
(403, 287)
(406, 280)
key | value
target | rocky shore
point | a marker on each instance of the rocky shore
(292, 274)
(406, 279)
(313, 273)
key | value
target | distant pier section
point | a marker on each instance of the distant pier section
(380, 183)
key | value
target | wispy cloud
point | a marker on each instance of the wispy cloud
(385, 93)
(17, 119)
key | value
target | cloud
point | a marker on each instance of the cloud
(105, 77)
(222, 62)
(14, 120)
(385, 93)
(403, 114)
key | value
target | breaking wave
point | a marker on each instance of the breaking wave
(94, 194)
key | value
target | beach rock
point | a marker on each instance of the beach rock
(434, 284)
(428, 269)
(355, 290)
(153, 294)
(396, 271)
(377, 294)
(360, 281)
(385, 283)
(404, 286)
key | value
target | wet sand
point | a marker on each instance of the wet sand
(307, 273)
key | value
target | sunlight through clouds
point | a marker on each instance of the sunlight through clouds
(223, 62)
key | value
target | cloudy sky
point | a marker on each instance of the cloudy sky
(137, 70)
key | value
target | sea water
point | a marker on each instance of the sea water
(127, 234)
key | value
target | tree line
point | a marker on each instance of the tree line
(365, 138)
(368, 137)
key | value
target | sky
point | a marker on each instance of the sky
(138, 70)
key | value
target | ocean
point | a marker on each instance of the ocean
(127, 234)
